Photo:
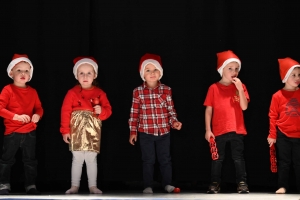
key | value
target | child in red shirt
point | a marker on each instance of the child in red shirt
(152, 114)
(21, 109)
(225, 102)
(284, 117)
(84, 108)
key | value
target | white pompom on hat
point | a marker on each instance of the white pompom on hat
(15, 60)
(226, 57)
(84, 60)
(286, 66)
(150, 59)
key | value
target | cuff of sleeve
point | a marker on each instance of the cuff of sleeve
(272, 135)
(64, 131)
(102, 115)
(133, 132)
(172, 120)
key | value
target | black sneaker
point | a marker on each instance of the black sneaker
(33, 191)
(214, 188)
(4, 192)
(242, 188)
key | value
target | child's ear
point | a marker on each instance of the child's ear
(11, 73)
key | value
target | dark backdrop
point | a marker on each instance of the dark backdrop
(187, 35)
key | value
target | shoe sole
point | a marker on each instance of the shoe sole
(213, 192)
(243, 192)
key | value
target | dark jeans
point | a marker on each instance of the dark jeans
(11, 144)
(148, 144)
(288, 151)
(237, 148)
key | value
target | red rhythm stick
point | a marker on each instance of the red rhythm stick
(213, 149)
(273, 158)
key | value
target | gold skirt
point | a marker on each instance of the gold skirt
(85, 131)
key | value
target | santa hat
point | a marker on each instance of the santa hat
(15, 60)
(226, 57)
(286, 66)
(150, 59)
(84, 60)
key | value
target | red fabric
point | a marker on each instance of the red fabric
(223, 56)
(227, 113)
(15, 100)
(82, 57)
(284, 113)
(19, 56)
(149, 56)
(285, 64)
(80, 99)
(152, 110)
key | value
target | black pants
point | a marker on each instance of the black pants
(11, 144)
(237, 148)
(288, 151)
(150, 143)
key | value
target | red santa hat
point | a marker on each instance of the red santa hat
(150, 59)
(19, 58)
(286, 66)
(84, 60)
(226, 57)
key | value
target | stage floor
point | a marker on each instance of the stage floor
(160, 196)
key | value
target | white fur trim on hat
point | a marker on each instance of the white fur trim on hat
(288, 73)
(85, 61)
(220, 70)
(16, 61)
(155, 63)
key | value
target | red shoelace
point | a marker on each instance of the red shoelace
(273, 159)
(213, 149)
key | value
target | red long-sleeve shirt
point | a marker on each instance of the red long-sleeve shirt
(152, 110)
(15, 100)
(80, 99)
(284, 113)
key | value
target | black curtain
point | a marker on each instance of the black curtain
(187, 35)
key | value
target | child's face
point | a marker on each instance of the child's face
(294, 78)
(151, 73)
(86, 74)
(230, 71)
(20, 73)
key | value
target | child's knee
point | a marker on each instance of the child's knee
(90, 157)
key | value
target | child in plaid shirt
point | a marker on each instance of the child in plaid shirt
(152, 114)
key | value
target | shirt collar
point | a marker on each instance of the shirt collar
(145, 85)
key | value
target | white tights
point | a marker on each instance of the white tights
(90, 159)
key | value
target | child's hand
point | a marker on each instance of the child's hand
(177, 125)
(238, 84)
(66, 138)
(208, 135)
(22, 118)
(132, 139)
(97, 109)
(35, 118)
(271, 141)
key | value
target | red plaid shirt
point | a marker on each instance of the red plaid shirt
(152, 110)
